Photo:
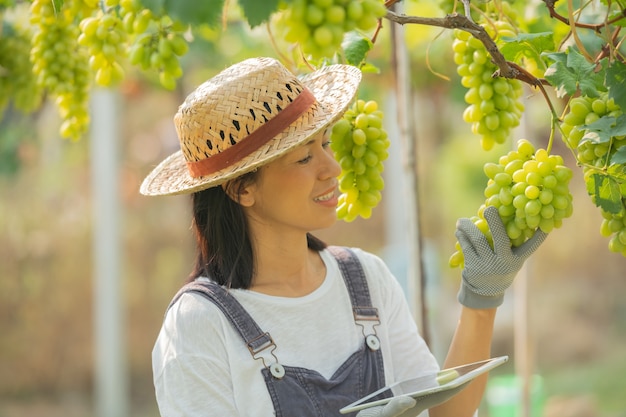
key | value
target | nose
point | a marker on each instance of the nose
(331, 168)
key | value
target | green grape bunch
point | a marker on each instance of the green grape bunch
(318, 26)
(61, 65)
(583, 111)
(530, 188)
(160, 50)
(494, 105)
(18, 83)
(596, 155)
(105, 38)
(360, 144)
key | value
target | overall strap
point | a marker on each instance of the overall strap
(256, 339)
(354, 276)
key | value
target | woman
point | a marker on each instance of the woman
(272, 321)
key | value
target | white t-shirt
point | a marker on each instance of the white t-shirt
(202, 367)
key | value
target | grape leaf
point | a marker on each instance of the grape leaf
(603, 129)
(257, 11)
(355, 47)
(618, 171)
(605, 192)
(574, 74)
(616, 83)
(620, 156)
(616, 18)
(527, 44)
(190, 12)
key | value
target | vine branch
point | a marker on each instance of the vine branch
(506, 69)
(458, 21)
(596, 27)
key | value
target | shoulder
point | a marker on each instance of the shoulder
(371, 263)
(194, 318)
(379, 277)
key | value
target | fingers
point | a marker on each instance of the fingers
(397, 406)
(471, 239)
(527, 248)
(501, 241)
(465, 228)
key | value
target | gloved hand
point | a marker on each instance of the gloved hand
(489, 272)
(393, 408)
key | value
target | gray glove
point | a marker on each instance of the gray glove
(393, 408)
(489, 272)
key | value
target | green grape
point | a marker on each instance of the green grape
(319, 26)
(530, 188)
(582, 111)
(594, 155)
(360, 144)
(61, 65)
(83, 8)
(104, 37)
(158, 43)
(494, 107)
(18, 83)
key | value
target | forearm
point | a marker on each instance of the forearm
(471, 342)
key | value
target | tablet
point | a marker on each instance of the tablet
(445, 383)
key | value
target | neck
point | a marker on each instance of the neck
(285, 266)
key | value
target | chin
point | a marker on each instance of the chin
(331, 221)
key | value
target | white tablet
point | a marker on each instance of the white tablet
(446, 383)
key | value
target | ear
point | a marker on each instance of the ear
(242, 195)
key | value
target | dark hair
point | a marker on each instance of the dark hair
(224, 250)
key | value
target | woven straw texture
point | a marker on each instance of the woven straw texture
(226, 109)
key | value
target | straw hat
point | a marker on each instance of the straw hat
(246, 116)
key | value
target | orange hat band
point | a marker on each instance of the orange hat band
(254, 140)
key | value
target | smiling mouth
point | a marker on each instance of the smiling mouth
(326, 196)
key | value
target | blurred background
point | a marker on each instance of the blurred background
(571, 335)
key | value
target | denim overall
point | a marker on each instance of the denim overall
(300, 392)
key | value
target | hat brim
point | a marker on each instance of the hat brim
(334, 87)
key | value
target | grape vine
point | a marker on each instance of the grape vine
(64, 48)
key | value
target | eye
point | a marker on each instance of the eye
(305, 159)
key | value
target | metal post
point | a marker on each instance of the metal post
(110, 367)
(415, 273)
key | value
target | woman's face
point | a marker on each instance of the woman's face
(296, 191)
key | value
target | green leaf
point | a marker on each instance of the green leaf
(618, 171)
(605, 192)
(257, 11)
(603, 129)
(616, 18)
(527, 44)
(616, 83)
(557, 57)
(190, 12)
(620, 156)
(356, 47)
(576, 74)
(588, 80)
